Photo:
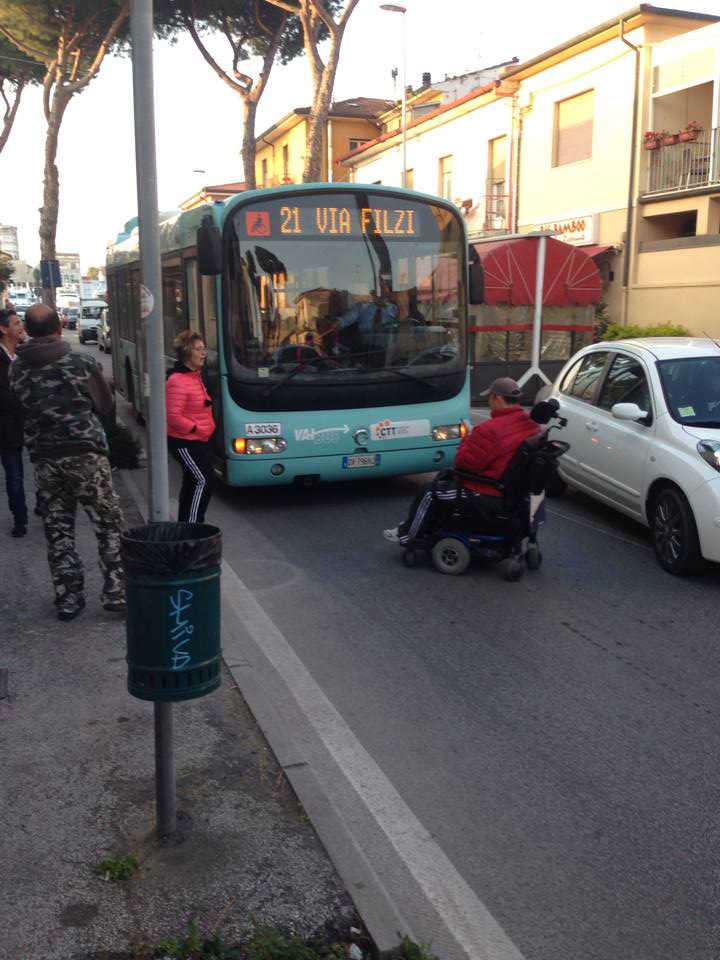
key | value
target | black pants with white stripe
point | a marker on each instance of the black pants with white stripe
(198, 478)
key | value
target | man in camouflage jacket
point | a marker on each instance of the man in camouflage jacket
(63, 395)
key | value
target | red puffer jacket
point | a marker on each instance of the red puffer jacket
(491, 445)
(189, 408)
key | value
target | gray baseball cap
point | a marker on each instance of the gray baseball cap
(503, 387)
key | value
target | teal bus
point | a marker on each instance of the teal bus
(335, 317)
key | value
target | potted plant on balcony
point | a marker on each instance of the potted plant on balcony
(651, 140)
(690, 131)
(667, 139)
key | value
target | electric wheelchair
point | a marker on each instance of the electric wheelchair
(496, 529)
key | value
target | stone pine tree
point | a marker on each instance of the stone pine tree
(16, 71)
(318, 20)
(70, 40)
(252, 28)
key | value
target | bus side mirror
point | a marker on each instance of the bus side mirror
(476, 291)
(209, 248)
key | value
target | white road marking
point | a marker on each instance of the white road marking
(597, 528)
(464, 915)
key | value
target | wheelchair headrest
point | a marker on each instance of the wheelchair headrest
(544, 411)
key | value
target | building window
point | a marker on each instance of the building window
(354, 144)
(574, 129)
(263, 176)
(286, 161)
(445, 177)
(410, 179)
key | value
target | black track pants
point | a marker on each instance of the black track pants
(198, 478)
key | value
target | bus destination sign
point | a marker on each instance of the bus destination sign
(317, 220)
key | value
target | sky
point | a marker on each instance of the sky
(199, 119)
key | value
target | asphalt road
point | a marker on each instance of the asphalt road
(540, 754)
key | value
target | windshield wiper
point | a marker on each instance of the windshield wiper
(268, 391)
(402, 372)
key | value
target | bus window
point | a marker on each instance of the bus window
(209, 303)
(193, 314)
(173, 308)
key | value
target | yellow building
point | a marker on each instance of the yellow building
(582, 169)
(280, 150)
(558, 143)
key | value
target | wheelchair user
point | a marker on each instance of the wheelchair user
(487, 450)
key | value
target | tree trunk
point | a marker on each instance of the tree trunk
(318, 119)
(248, 143)
(51, 188)
(9, 118)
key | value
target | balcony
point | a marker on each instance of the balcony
(683, 166)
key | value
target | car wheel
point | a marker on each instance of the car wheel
(81, 338)
(674, 532)
(450, 556)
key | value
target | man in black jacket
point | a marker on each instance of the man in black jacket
(12, 332)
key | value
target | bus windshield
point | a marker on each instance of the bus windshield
(331, 287)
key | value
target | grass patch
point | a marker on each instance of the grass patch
(117, 869)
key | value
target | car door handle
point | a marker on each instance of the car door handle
(591, 425)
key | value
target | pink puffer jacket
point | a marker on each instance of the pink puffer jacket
(189, 408)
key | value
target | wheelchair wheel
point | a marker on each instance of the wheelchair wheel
(513, 568)
(450, 556)
(533, 557)
(409, 557)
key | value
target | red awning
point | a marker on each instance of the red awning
(597, 251)
(571, 276)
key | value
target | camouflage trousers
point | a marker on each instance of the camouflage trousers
(62, 483)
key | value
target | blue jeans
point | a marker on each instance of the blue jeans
(12, 461)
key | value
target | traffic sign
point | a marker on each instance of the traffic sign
(50, 274)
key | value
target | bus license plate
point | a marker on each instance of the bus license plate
(361, 460)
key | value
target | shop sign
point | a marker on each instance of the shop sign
(575, 230)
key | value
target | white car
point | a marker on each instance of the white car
(643, 423)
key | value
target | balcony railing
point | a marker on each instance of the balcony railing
(495, 219)
(685, 165)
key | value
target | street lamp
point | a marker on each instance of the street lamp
(398, 8)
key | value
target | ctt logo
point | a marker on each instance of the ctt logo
(385, 430)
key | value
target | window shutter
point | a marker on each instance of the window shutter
(574, 128)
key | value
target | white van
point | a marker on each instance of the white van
(89, 319)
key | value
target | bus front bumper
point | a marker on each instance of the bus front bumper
(251, 471)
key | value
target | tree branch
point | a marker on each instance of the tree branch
(102, 49)
(210, 60)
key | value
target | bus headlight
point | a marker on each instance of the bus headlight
(259, 445)
(451, 431)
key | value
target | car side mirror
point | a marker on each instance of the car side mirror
(629, 411)
(209, 248)
(476, 277)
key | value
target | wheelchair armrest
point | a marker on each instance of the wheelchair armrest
(478, 478)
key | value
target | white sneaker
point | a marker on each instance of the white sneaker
(393, 536)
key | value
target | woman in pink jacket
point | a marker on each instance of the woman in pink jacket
(190, 425)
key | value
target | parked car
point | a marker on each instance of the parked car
(104, 334)
(89, 319)
(643, 423)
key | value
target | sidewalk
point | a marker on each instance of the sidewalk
(78, 787)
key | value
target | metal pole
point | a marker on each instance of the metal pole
(537, 316)
(141, 23)
(403, 109)
(165, 801)
(534, 368)
(141, 28)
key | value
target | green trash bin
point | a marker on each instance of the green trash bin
(172, 577)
